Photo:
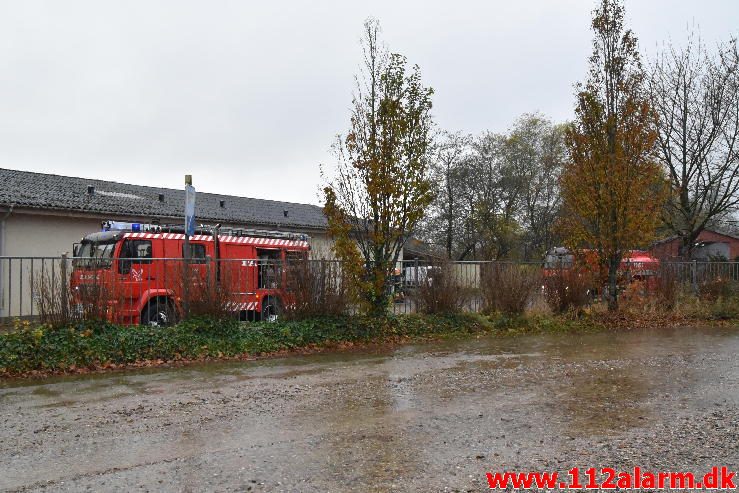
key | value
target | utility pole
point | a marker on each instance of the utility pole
(189, 214)
(189, 230)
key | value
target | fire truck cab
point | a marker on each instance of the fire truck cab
(140, 270)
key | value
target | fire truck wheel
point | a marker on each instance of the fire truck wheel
(159, 313)
(271, 309)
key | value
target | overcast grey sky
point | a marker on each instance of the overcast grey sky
(248, 96)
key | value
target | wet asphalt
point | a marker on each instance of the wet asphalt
(427, 417)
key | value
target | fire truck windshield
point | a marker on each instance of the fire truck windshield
(93, 255)
(558, 261)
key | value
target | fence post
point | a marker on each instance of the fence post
(64, 287)
(694, 276)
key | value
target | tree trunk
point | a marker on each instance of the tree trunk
(688, 244)
(378, 296)
(613, 264)
(686, 247)
(450, 220)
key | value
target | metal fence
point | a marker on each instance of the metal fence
(30, 286)
(414, 282)
(18, 296)
(696, 273)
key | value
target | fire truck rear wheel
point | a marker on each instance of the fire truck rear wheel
(159, 313)
(271, 309)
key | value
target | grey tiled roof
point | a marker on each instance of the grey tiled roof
(64, 193)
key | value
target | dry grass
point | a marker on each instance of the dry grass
(441, 291)
(508, 288)
(667, 288)
(568, 290)
(58, 305)
(719, 287)
(315, 288)
(665, 301)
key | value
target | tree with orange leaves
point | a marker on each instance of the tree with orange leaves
(381, 186)
(612, 188)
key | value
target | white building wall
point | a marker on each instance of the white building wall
(320, 247)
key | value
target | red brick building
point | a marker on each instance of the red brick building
(708, 244)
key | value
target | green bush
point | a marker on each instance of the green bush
(98, 345)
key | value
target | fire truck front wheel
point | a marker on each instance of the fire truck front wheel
(158, 313)
(271, 309)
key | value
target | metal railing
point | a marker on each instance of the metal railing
(696, 272)
(122, 288)
(18, 290)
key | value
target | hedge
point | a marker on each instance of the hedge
(41, 349)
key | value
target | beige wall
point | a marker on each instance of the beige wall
(34, 235)
(320, 247)
(29, 235)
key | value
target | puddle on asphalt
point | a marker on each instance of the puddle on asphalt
(46, 391)
(385, 413)
(373, 416)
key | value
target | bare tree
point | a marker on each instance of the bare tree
(469, 175)
(446, 214)
(466, 176)
(537, 150)
(696, 95)
(498, 187)
(512, 186)
(497, 195)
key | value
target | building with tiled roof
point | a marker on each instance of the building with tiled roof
(87, 197)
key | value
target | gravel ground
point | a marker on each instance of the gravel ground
(431, 417)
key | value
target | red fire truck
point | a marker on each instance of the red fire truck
(140, 269)
(637, 265)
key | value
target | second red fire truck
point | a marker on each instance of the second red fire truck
(637, 265)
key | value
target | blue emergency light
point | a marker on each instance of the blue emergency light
(125, 226)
